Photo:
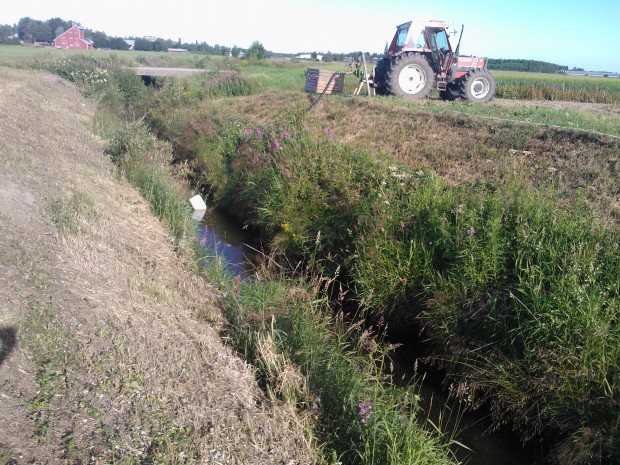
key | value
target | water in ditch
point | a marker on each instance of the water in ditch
(219, 234)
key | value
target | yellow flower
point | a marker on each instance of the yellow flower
(285, 227)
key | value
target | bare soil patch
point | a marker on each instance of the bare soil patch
(109, 347)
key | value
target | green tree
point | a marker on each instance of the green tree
(6, 31)
(328, 57)
(100, 39)
(118, 43)
(56, 24)
(256, 52)
(143, 45)
(23, 28)
(41, 32)
(235, 51)
(314, 55)
(159, 45)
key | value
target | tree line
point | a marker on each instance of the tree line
(532, 66)
(29, 30)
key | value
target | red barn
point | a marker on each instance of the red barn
(73, 39)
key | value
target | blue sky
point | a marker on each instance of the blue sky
(569, 32)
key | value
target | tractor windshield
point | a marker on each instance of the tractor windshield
(401, 35)
(442, 41)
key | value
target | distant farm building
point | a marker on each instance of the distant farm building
(73, 39)
(308, 56)
(130, 43)
(590, 73)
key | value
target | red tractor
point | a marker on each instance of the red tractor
(420, 57)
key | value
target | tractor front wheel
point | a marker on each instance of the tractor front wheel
(410, 75)
(478, 86)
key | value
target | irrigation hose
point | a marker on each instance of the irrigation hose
(337, 73)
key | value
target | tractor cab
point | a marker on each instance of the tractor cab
(424, 36)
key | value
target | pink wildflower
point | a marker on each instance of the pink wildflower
(365, 411)
(275, 145)
(471, 231)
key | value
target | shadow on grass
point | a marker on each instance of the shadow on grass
(8, 340)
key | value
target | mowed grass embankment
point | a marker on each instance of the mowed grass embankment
(499, 237)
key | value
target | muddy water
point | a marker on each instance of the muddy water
(218, 234)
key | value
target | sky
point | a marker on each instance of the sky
(573, 33)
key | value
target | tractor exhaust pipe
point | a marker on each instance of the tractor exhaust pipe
(458, 46)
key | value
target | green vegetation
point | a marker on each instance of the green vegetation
(512, 271)
(146, 162)
(284, 327)
(500, 273)
(534, 86)
(338, 377)
(531, 66)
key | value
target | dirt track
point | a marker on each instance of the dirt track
(108, 343)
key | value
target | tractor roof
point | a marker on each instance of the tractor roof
(423, 22)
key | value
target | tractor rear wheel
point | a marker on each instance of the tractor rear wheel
(410, 76)
(478, 86)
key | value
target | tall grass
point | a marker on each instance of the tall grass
(146, 162)
(537, 86)
(519, 296)
(286, 328)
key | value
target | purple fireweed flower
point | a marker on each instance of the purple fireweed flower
(275, 145)
(365, 411)
(250, 131)
(286, 134)
(332, 133)
(471, 231)
(259, 133)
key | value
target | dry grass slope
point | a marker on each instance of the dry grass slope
(109, 351)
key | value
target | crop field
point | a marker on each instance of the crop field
(492, 228)
(538, 86)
